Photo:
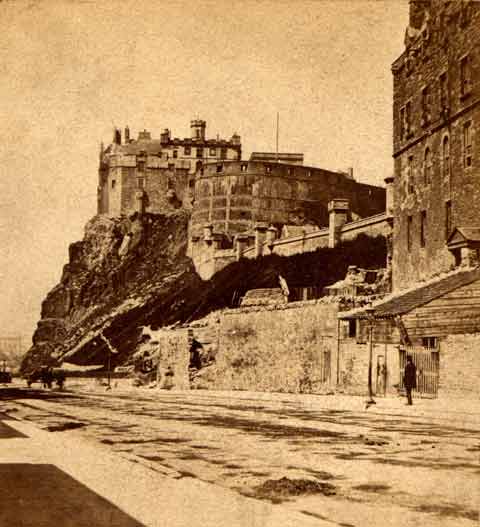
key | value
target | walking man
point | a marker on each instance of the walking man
(410, 378)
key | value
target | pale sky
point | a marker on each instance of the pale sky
(71, 70)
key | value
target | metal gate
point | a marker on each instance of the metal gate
(427, 362)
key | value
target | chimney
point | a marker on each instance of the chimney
(127, 134)
(389, 194)
(240, 245)
(117, 136)
(271, 235)
(260, 231)
(165, 136)
(338, 214)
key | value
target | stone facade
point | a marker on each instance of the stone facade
(234, 196)
(459, 366)
(436, 110)
(155, 175)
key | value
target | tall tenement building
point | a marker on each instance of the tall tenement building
(156, 174)
(436, 184)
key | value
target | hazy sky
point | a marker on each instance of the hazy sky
(71, 70)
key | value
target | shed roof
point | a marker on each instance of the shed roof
(467, 234)
(407, 301)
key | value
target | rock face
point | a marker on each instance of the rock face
(117, 270)
(131, 273)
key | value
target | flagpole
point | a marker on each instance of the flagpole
(276, 149)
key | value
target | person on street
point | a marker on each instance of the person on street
(410, 378)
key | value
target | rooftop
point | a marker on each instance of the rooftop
(403, 302)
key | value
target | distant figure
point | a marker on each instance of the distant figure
(410, 378)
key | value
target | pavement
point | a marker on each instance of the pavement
(148, 457)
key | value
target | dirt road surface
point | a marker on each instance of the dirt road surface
(326, 457)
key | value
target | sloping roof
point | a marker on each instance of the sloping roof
(411, 299)
(471, 234)
(258, 297)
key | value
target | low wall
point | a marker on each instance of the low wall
(287, 348)
(373, 226)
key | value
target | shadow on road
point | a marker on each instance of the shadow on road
(42, 494)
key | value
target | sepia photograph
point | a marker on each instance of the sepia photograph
(240, 263)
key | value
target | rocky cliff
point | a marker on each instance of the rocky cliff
(113, 275)
(128, 273)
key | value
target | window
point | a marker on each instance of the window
(352, 328)
(410, 175)
(268, 169)
(448, 219)
(427, 166)
(423, 226)
(213, 151)
(171, 166)
(219, 168)
(223, 153)
(175, 154)
(197, 133)
(429, 342)
(465, 76)
(425, 106)
(188, 151)
(243, 167)
(443, 84)
(113, 183)
(141, 166)
(402, 123)
(141, 183)
(409, 233)
(467, 144)
(199, 152)
(446, 156)
(408, 116)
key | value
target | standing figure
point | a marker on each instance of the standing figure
(410, 378)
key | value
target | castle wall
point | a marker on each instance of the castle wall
(208, 260)
(430, 187)
(162, 168)
(234, 196)
(114, 185)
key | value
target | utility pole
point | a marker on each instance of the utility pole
(371, 317)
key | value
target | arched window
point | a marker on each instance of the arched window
(446, 156)
(427, 166)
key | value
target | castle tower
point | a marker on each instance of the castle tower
(198, 127)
